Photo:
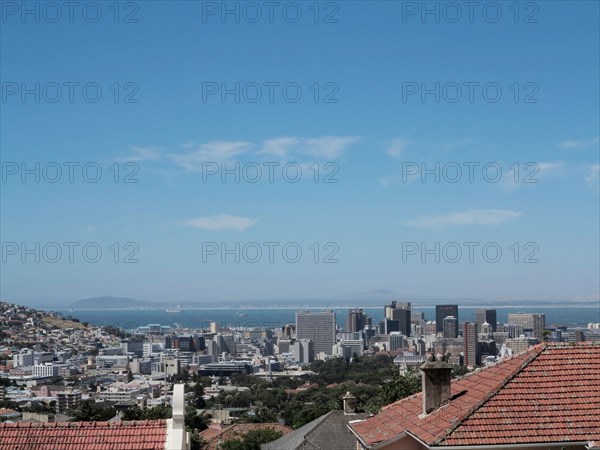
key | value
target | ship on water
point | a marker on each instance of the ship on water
(174, 310)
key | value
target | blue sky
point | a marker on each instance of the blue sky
(379, 216)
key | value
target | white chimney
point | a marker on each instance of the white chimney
(177, 438)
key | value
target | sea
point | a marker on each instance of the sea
(572, 316)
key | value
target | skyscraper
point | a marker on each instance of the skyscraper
(303, 351)
(536, 323)
(471, 344)
(441, 312)
(397, 318)
(486, 315)
(450, 327)
(319, 327)
(357, 320)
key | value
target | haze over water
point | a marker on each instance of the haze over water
(273, 317)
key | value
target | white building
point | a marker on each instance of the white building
(23, 358)
(347, 348)
(44, 370)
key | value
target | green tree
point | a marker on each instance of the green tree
(137, 413)
(459, 371)
(195, 421)
(87, 411)
(546, 335)
(252, 440)
(400, 387)
(198, 391)
(196, 441)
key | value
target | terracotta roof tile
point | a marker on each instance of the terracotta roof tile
(549, 394)
(137, 435)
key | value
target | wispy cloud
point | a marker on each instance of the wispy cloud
(279, 147)
(220, 222)
(397, 147)
(464, 218)
(140, 154)
(545, 169)
(580, 143)
(282, 147)
(531, 173)
(215, 151)
(325, 147)
(593, 177)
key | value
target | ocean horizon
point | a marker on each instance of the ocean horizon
(272, 317)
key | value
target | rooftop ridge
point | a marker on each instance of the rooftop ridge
(90, 424)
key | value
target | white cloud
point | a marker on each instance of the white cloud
(326, 147)
(593, 179)
(468, 217)
(220, 222)
(141, 154)
(279, 146)
(397, 147)
(580, 143)
(548, 168)
(528, 173)
(216, 151)
(290, 147)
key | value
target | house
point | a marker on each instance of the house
(167, 434)
(328, 432)
(544, 399)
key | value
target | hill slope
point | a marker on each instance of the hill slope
(112, 303)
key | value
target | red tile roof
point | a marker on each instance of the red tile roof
(549, 394)
(137, 435)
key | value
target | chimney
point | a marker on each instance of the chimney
(176, 433)
(349, 404)
(437, 374)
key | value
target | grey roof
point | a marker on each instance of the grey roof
(328, 432)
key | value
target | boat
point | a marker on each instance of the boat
(173, 310)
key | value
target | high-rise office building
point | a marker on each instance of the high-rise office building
(486, 315)
(226, 344)
(450, 327)
(397, 318)
(357, 319)
(441, 312)
(536, 323)
(396, 341)
(319, 327)
(303, 351)
(471, 351)
(417, 317)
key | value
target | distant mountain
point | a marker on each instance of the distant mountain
(112, 303)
